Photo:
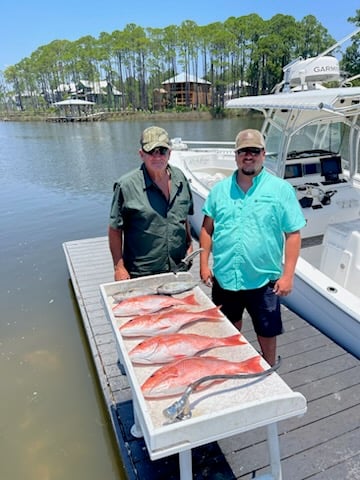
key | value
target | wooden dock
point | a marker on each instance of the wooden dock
(90, 117)
(324, 444)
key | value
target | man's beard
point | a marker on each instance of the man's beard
(248, 172)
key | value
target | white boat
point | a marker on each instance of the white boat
(313, 141)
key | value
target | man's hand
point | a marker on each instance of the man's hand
(121, 273)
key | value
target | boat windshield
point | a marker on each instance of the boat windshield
(274, 137)
(313, 140)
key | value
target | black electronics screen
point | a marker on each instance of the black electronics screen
(331, 168)
(311, 168)
(293, 170)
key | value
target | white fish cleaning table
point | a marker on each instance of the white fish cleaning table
(220, 411)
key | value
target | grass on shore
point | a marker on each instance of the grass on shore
(126, 115)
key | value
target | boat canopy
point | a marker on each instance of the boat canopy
(73, 101)
(328, 99)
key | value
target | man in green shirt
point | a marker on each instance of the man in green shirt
(149, 231)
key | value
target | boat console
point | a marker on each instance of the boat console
(311, 176)
(329, 168)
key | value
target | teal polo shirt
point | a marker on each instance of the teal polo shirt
(249, 228)
(154, 227)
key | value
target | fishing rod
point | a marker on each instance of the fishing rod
(180, 410)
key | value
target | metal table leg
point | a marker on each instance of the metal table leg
(136, 430)
(185, 463)
(274, 451)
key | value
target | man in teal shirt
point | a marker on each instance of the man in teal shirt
(252, 221)
(149, 230)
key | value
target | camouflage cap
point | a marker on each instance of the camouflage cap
(153, 137)
(249, 138)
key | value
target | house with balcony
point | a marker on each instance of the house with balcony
(187, 90)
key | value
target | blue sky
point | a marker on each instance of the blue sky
(28, 24)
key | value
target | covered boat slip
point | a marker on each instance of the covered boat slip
(321, 444)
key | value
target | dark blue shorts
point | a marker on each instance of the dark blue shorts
(262, 305)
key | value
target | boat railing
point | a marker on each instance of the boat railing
(201, 145)
(208, 142)
(178, 140)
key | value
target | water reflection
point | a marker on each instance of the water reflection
(69, 156)
(86, 157)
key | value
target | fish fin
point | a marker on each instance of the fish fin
(190, 299)
(253, 364)
(213, 313)
(237, 339)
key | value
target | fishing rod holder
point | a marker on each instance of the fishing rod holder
(181, 410)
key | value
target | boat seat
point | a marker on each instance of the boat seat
(340, 258)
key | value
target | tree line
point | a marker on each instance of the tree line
(137, 60)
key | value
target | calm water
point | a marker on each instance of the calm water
(56, 186)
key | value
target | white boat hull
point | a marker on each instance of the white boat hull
(327, 306)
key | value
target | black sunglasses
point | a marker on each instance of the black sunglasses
(252, 150)
(158, 150)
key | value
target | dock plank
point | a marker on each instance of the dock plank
(322, 444)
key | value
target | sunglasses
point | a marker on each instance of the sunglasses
(251, 150)
(158, 151)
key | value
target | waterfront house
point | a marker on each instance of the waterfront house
(187, 90)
